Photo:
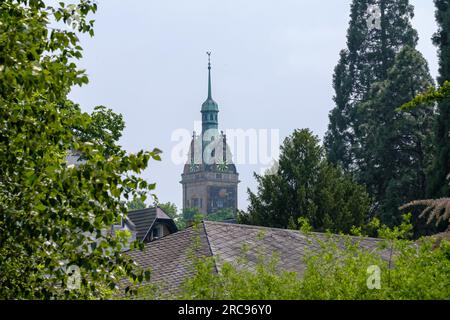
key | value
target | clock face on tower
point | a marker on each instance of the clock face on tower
(221, 198)
(222, 166)
(210, 179)
(223, 193)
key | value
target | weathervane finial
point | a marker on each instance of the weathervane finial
(209, 58)
(209, 74)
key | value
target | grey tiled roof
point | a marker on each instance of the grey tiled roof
(229, 242)
(169, 259)
(143, 220)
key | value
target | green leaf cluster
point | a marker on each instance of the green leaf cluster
(337, 269)
(53, 214)
(306, 185)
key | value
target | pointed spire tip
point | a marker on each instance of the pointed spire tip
(209, 75)
(209, 59)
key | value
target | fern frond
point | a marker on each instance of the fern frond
(438, 209)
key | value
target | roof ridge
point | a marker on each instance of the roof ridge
(209, 246)
(281, 229)
(138, 210)
(167, 237)
(161, 211)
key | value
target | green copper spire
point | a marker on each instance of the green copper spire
(209, 104)
(209, 75)
(210, 108)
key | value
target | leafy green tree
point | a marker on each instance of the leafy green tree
(370, 53)
(437, 186)
(170, 208)
(396, 147)
(437, 209)
(306, 185)
(105, 128)
(220, 215)
(172, 211)
(136, 204)
(338, 268)
(190, 215)
(54, 215)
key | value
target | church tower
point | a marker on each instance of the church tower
(209, 179)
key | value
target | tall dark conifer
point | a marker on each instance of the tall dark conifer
(371, 49)
(397, 146)
(378, 72)
(438, 187)
(305, 185)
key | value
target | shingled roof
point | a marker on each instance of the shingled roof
(144, 219)
(169, 259)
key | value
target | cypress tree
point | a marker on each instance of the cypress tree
(438, 186)
(397, 146)
(370, 53)
(378, 72)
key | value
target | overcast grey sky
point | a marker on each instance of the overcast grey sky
(272, 69)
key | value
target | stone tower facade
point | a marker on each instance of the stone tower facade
(209, 179)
